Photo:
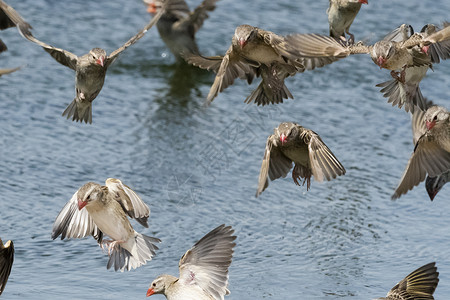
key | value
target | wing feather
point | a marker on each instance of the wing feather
(206, 263)
(129, 200)
(74, 223)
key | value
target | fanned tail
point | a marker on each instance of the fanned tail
(79, 111)
(144, 249)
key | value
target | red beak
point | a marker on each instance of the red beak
(101, 61)
(242, 43)
(81, 204)
(151, 8)
(150, 292)
(363, 1)
(430, 125)
(283, 139)
(381, 61)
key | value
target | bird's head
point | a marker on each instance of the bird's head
(159, 285)
(428, 29)
(285, 132)
(382, 51)
(243, 34)
(97, 56)
(88, 193)
(153, 6)
(435, 184)
(435, 116)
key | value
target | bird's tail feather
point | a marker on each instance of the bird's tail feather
(401, 94)
(79, 112)
(123, 260)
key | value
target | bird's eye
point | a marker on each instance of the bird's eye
(154, 284)
(435, 118)
(88, 197)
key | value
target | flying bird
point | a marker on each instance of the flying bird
(404, 89)
(178, 25)
(256, 52)
(289, 143)
(97, 210)
(90, 70)
(341, 14)
(388, 53)
(420, 284)
(203, 269)
(6, 261)
(9, 18)
(431, 152)
(432, 184)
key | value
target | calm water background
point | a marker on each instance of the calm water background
(197, 168)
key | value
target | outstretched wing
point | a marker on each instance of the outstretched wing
(420, 284)
(316, 45)
(206, 263)
(428, 157)
(274, 165)
(7, 71)
(74, 223)
(231, 67)
(62, 56)
(9, 17)
(324, 164)
(113, 56)
(129, 200)
(199, 15)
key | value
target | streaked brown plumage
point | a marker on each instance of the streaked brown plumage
(6, 262)
(431, 152)
(341, 14)
(178, 25)
(294, 143)
(90, 70)
(257, 52)
(392, 53)
(418, 285)
(96, 210)
(203, 269)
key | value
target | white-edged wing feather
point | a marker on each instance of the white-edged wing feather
(206, 263)
(130, 201)
(74, 223)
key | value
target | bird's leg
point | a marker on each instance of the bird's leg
(399, 76)
(295, 176)
(105, 244)
(403, 74)
(351, 39)
(114, 244)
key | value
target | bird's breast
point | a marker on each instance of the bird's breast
(186, 292)
(297, 153)
(261, 53)
(111, 221)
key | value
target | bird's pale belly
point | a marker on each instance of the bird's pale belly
(111, 224)
(188, 293)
